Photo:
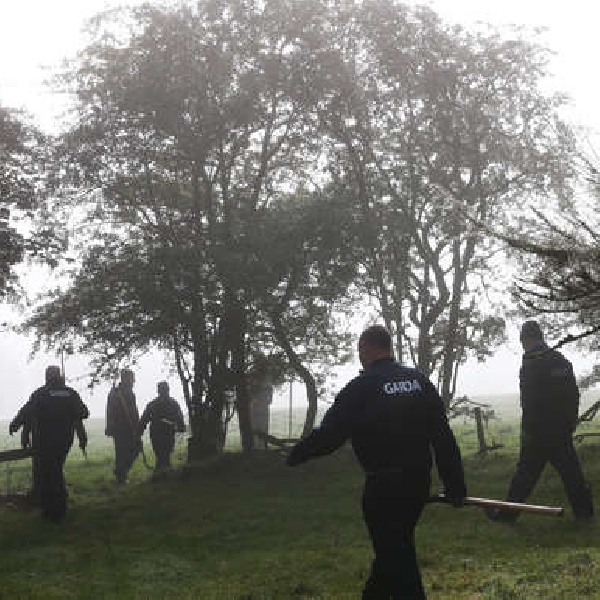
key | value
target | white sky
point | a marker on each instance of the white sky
(35, 35)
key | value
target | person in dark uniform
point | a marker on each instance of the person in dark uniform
(51, 414)
(165, 418)
(28, 441)
(122, 424)
(550, 406)
(393, 416)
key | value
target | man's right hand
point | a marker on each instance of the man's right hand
(455, 501)
(12, 428)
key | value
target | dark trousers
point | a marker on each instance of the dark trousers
(34, 492)
(127, 449)
(392, 505)
(163, 445)
(52, 487)
(560, 453)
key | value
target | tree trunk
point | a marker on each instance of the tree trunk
(480, 431)
(242, 397)
(310, 384)
(209, 435)
(312, 397)
(451, 342)
(207, 431)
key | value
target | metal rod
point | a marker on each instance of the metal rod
(290, 412)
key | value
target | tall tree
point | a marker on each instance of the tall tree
(191, 122)
(444, 126)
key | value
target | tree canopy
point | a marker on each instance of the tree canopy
(19, 177)
(244, 173)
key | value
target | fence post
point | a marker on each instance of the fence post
(480, 431)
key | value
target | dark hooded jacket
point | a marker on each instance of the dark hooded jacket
(164, 416)
(549, 393)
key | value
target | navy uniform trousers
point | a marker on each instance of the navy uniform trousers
(392, 505)
(536, 452)
(52, 487)
(163, 444)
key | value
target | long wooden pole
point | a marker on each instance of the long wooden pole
(550, 511)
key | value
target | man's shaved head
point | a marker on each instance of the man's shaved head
(376, 336)
(374, 343)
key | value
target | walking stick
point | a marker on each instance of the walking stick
(548, 511)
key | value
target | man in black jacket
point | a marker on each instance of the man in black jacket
(28, 441)
(122, 424)
(165, 418)
(550, 405)
(52, 413)
(393, 416)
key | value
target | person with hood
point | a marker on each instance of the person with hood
(165, 418)
(122, 424)
(550, 406)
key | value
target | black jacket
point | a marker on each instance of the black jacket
(160, 413)
(394, 417)
(549, 393)
(122, 416)
(52, 413)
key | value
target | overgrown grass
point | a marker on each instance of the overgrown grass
(250, 528)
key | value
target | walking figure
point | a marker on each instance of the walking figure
(52, 414)
(165, 418)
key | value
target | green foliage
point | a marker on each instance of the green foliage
(559, 277)
(192, 125)
(244, 172)
(28, 181)
(434, 131)
(19, 188)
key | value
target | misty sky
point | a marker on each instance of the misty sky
(35, 35)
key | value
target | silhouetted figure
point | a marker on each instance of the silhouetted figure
(165, 418)
(51, 415)
(122, 424)
(261, 396)
(394, 417)
(550, 405)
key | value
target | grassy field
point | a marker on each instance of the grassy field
(250, 528)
